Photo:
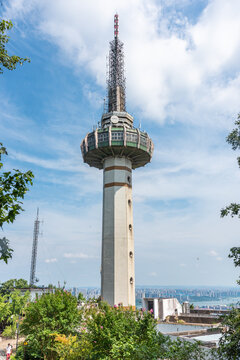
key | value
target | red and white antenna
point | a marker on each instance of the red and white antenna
(116, 26)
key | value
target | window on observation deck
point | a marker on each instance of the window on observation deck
(117, 135)
(132, 137)
(143, 140)
(103, 137)
(91, 140)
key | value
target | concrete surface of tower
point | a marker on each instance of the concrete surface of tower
(117, 148)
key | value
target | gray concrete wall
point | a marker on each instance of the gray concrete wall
(168, 307)
(117, 236)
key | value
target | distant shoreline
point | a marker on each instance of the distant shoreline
(222, 302)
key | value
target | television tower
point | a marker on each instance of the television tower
(117, 148)
(34, 250)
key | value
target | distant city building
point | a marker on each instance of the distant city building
(117, 147)
(219, 299)
(186, 307)
(75, 291)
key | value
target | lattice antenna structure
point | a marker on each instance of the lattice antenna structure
(116, 80)
(34, 250)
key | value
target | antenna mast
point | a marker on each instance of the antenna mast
(116, 79)
(34, 250)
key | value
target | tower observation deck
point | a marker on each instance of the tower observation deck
(117, 148)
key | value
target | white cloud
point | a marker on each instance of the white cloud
(187, 171)
(53, 260)
(216, 35)
(54, 164)
(77, 256)
(213, 253)
(173, 72)
(153, 274)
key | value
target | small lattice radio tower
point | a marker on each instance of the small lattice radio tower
(33, 278)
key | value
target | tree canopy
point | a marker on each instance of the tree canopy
(13, 187)
(56, 329)
(229, 346)
(234, 140)
(230, 341)
(7, 286)
(52, 313)
(7, 61)
(234, 208)
(11, 308)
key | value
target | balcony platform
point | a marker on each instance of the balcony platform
(117, 141)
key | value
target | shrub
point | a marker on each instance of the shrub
(51, 313)
(10, 331)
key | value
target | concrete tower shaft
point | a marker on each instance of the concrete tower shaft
(117, 277)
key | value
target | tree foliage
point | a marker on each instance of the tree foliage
(13, 187)
(81, 297)
(117, 333)
(51, 314)
(229, 346)
(235, 255)
(7, 61)
(11, 307)
(234, 140)
(234, 208)
(56, 329)
(8, 286)
(72, 347)
(5, 250)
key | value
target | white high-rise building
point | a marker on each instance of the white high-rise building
(117, 148)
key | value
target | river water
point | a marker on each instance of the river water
(221, 302)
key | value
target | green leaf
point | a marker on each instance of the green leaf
(7, 61)
(5, 250)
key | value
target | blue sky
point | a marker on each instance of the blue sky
(183, 86)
